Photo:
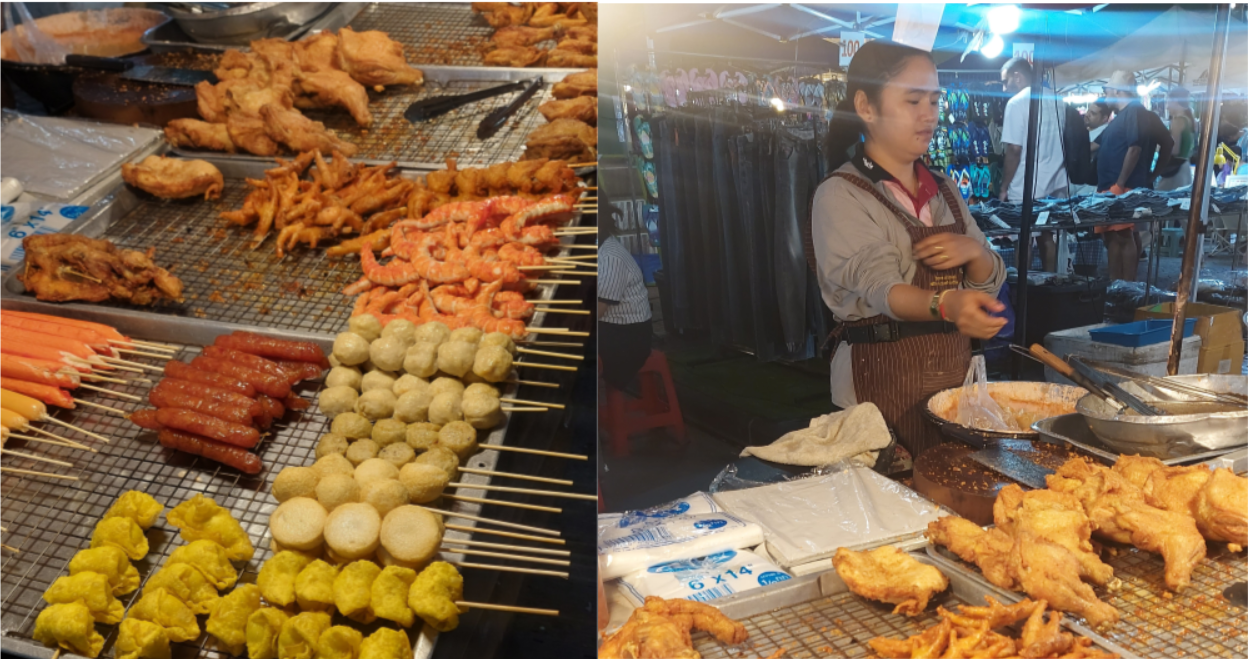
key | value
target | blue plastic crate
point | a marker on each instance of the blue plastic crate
(1140, 333)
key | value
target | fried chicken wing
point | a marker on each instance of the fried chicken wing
(1221, 508)
(582, 46)
(700, 616)
(567, 139)
(196, 134)
(333, 88)
(249, 133)
(502, 14)
(581, 83)
(174, 178)
(318, 52)
(1055, 516)
(888, 574)
(514, 56)
(566, 59)
(372, 58)
(548, 14)
(648, 635)
(1218, 502)
(64, 267)
(581, 108)
(519, 35)
(200, 518)
(301, 133)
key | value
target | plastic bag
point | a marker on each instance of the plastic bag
(976, 409)
(34, 46)
(623, 550)
(703, 579)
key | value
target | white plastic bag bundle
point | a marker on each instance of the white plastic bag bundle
(702, 579)
(637, 546)
(976, 409)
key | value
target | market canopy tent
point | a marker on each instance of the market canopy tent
(1160, 44)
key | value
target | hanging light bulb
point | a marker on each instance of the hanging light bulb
(993, 48)
(1003, 19)
(778, 104)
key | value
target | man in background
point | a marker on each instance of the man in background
(1050, 175)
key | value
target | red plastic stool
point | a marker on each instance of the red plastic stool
(625, 416)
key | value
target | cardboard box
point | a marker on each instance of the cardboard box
(1216, 326)
(1225, 359)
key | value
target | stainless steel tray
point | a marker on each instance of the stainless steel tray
(1199, 622)
(49, 521)
(1236, 461)
(817, 616)
(225, 280)
(1073, 429)
(428, 144)
(446, 33)
(169, 37)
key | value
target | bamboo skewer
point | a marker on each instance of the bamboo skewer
(88, 433)
(511, 557)
(524, 409)
(28, 472)
(521, 401)
(111, 392)
(509, 504)
(28, 456)
(82, 275)
(495, 545)
(65, 443)
(512, 525)
(534, 383)
(147, 344)
(551, 367)
(106, 408)
(554, 344)
(118, 367)
(58, 438)
(101, 378)
(560, 331)
(526, 477)
(149, 367)
(519, 449)
(554, 268)
(557, 301)
(583, 164)
(525, 490)
(141, 353)
(570, 312)
(506, 568)
(12, 549)
(506, 534)
(509, 609)
(545, 353)
(586, 257)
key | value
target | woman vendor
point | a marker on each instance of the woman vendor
(900, 261)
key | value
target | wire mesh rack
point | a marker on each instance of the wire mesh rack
(431, 33)
(1198, 622)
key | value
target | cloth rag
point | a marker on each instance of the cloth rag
(857, 433)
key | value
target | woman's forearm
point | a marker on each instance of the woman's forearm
(910, 302)
(980, 269)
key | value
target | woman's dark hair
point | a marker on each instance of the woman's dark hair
(873, 66)
(1101, 107)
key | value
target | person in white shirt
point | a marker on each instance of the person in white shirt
(1050, 175)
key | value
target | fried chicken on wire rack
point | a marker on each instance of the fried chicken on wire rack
(174, 178)
(888, 574)
(1216, 499)
(65, 267)
(581, 83)
(563, 139)
(581, 108)
(661, 629)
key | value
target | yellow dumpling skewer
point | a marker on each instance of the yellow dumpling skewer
(111, 562)
(138, 506)
(200, 518)
(263, 628)
(93, 590)
(70, 627)
(228, 620)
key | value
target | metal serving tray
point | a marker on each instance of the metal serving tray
(1199, 622)
(1236, 462)
(446, 33)
(49, 521)
(427, 145)
(225, 280)
(817, 616)
(1073, 429)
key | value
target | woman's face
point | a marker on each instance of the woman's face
(909, 108)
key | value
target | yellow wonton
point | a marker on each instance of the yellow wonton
(165, 609)
(200, 518)
(187, 584)
(434, 593)
(353, 590)
(140, 507)
(340, 642)
(140, 639)
(390, 591)
(386, 643)
(111, 562)
(69, 626)
(123, 533)
(277, 577)
(228, 622)
(263, 628)
(209, 558)
(92, 589)
(314, 587)
(301, 634)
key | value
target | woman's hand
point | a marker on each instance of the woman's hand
(969, 311)
(947, 250)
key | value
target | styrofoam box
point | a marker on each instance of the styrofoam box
(1145, 360)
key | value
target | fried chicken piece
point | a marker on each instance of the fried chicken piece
(888, 574)
(501, 14)
(1119, 512)
(333, 88)
(547, 14)
(301, 133)
(563, 139)
(582, 108)
(582, 46)
(1217, 502)
(519, 35)
(55, 264)
(1055, 516)
(568, 59)
(248, 98)
(1048, 571)
(582, 83)
(520, 174)
(514, 56)
(196, 134)
(210, 101)
(1221, 508)
(372, 58)
(555, 177)
(318, 52)
(648, 636)
(582, 32)
(990, 549)
(174, 178)
(234, 64)
(249, 133)
(699, 616)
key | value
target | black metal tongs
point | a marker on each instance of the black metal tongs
(498, 118)
(436, 106)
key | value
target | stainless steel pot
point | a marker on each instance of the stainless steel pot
(248, 21)
(1165, 436)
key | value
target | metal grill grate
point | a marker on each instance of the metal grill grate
(431, 33)
(454, 134)
(49, 521)
(225, 279)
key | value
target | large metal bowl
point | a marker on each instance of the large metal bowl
(1048, 398)
(238, 26)
(1165, 436)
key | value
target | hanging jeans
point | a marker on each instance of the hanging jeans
(792, 191)
(715, 287)
(735, 256)
(753, 225)
(672, 227)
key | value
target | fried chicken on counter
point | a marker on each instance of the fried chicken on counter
(1055, 516)
(661, 629)
(374, 59)
(174, 178)
(1119, 512)
(581, 83)
(582, 108)
(890, 575)
(503, 14)
(563, 139)
(1217, 500)
(300, 133)
(560, 58)
(515, 56)
(519, 35)
(196, 134)
(65, 267)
